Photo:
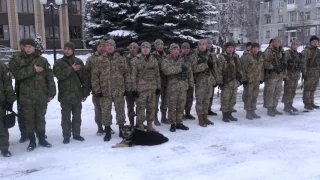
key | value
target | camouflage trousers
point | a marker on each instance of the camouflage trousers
(4, 133)
(250, 95)
(67, 124)
(176, 102)
(203, 94)
(311, 82)
(130, 106)
(211, 100)
(34, 116)
(21, 122)
(145, 106)
(289, 92)
(97, 111)
(106, 106)
(272, 91)
(229, 95)
(163, 105)
(189, 101)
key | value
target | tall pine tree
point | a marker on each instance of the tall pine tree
(175, 21)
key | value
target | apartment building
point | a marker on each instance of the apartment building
(25, 18)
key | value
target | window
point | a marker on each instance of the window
(75, 32)
(291, 2)
(4, 32)
(268, 19)
(49, 32)
(280, 20)
(25, 6)
(48, 11)
(3, 6)
(281, 4)
(292, 16)
(267, 34)
(306, 32)
(74, 7)
(307, 16)
(280, 33)
(26, 31)
(308, 1)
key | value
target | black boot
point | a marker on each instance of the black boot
(231, 118)
(66, 140)
(182, 127)
(225, 117)
(234, 110)
(293, 108)
(271, 112)
(107, 137)
(42, 140)
(173, 128)
(120, 132)
(189, 116)
(287, 109)
(211, 113)
(6, 153)
(24, 138)
(276, 111)
(32, 144)
(78, 138)
(255, 116)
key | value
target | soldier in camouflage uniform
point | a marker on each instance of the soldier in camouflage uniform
(146, 84)
(180, 78)
(110, 81)
(229, 79)
(275, 71)
(73, 86)
(37, 88)
(187, 57)
(253, 71)
(134, 48)
(7, 97)
(159, 54)
(21, 122)
(294, 68)
(212, 55)
(311, 73)
(204, 69)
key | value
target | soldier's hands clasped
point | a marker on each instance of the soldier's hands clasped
(76, 67)
(38, 68)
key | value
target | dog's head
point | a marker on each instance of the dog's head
(127, 131)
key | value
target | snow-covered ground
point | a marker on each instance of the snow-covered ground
(284, 147)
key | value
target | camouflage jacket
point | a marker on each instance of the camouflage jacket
(110, 76)
(160, 58)
(252, 67)
(7, 94)
(129, 58)
(16, 56)
(145, 73)
(295, 64)
(202, 73)
(34, 88)
(275, 63)
(229, 68)
(73, 85)
(171, 67)
(90, 63)
(311, 58)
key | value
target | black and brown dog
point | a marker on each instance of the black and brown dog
(133, 136)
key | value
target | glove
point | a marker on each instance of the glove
(190, 89)
(99, 95)
(210, 63)
(215, 85)
(135, 94)
(8, 107)
(184, 68)
(261, 82)
(245, 82)
(157, 91)
(220, 86)
(127, 93)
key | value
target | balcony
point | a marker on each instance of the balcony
(266, 11)
(292, 7)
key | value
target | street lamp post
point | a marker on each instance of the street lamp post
(52, 5)
(260, 22)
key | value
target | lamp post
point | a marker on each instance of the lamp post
(260, 22)
(52, 5)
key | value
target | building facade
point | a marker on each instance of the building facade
(25, 18)
(290, 20)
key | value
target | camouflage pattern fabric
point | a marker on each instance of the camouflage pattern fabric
(67, 124)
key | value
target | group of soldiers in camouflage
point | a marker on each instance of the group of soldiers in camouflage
(147, 77)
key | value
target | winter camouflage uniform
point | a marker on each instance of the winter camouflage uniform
(311, 73)
(178, 82)
(110, 76)
(294, 68)
(230, 75)
(190, 93)
(34, 89)
(73, 86)
(6, 96)
(145, 78)
(213, 55)
(253, 72)
(275, 71)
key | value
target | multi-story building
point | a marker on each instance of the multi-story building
(25, 18)
(290, 20)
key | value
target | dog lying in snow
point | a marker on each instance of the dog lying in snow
(133, 136)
